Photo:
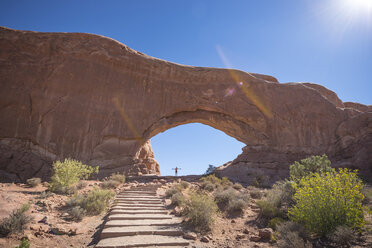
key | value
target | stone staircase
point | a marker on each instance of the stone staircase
(139, 219)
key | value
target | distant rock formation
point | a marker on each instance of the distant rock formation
(94, 99)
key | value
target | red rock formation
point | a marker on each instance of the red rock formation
(94, 99)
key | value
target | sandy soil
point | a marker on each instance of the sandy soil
(227, 232)
(79, 234)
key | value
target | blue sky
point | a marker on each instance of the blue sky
(328, 42)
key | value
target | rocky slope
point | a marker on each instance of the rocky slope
(94, 99)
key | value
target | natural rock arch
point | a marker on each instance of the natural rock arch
(94, 99)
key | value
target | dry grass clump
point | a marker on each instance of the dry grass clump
(292, 235)
(33, 182)
(237, 186)
(211, 182)
(172, 191)
(113, 181)
(343, 236)
(118, 177)
(237, 206)
(231, 201)
(200, 211)
(178, 199)
(184, 184)
(208, 186)
(256, 193)
(94, 203)
(81, 184)
(16, 221)
(77, 213)
(110, 184)
(222, 198)
(44, 195)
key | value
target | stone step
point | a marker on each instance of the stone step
(138, 196)
(137, 202)
(139, 216)
(110, 232)
(138, 211)
(118, 207)
(138, 199)
(147, 222)
(139, 191)
(131, 204)
(141, 240)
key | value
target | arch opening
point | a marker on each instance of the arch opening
(193, 147)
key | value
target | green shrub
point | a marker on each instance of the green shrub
(33, 182)
(16, 221)
(170, 192)
(327, 200)
(68, 173)
(200, 212)
(110, 184)
(178, 199)
(343, 236)
(211, 178)
(307, 166)
(237, 186)
(118, 177)
(94, 202)
(268, 210)
(274, 222)
(77, 213)
(24, 244)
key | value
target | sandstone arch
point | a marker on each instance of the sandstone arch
(94, 99)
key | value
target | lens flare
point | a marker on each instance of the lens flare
(127, 119)
(248, 92)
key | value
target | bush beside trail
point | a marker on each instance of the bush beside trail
(68, 173)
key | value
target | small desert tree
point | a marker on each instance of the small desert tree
(210, 170)
(308, 166)
(68, 173)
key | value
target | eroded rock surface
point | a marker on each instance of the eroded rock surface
(94, 99)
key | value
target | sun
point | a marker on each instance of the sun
(353, 12)
(361, 3)
(358, 5)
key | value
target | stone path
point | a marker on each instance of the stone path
(140, 219)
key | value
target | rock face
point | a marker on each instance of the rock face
(94, 99)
